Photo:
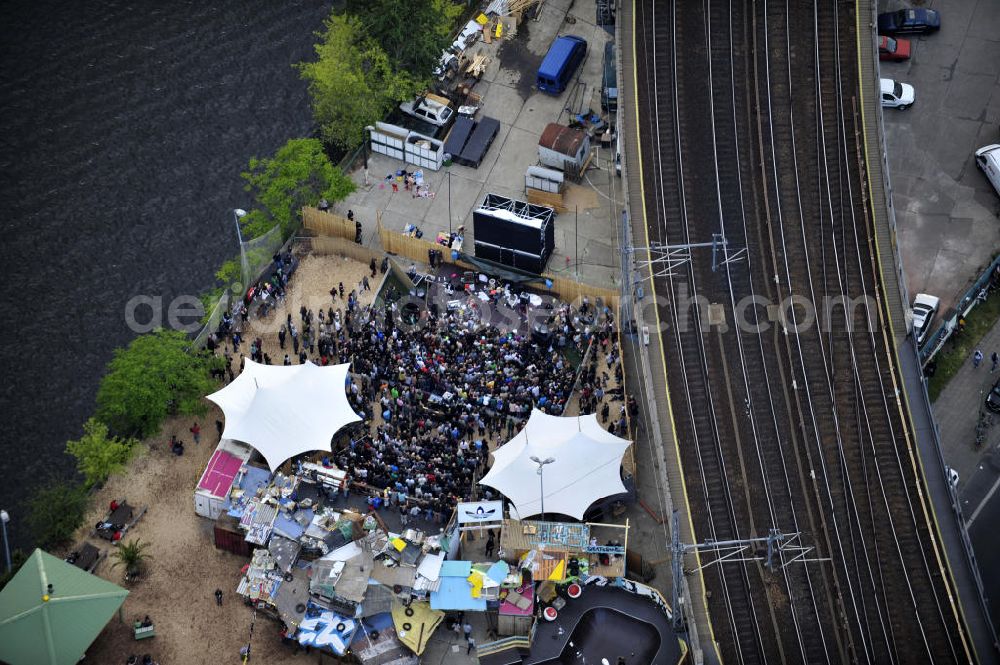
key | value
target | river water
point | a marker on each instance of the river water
(123, 129)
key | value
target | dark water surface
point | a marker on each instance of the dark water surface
(123, 129)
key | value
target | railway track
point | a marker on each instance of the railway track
(748, 134)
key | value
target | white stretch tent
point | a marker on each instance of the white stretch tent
(285, 410)
(586, 466)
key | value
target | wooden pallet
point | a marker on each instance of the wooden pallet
(550, 199)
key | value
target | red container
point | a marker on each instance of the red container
(229, 537)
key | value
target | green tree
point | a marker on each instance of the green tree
(17, 559)
(133, 556)
(98, 454)
(154, 377)
(413, 34)
(352, 83)
(55, 513)
(298, 174)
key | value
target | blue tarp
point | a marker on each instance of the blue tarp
(455, 593)
(498, 571)
(288, 527)
(252, 480)
(456, 569)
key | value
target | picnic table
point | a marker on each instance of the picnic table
(120, 518)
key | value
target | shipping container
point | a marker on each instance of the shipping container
(230, 538)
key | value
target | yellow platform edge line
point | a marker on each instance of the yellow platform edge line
(663, 360)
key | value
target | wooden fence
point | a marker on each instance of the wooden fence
(325, 245)
(568, 290)
(327, 223)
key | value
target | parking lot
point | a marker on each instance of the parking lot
(946, 210)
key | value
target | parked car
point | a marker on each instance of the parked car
(924, 308)
(952, 476)
(430, 108)
(993, 399)
(909, 22)
(896, 95)
(988, 159)
(894, 49)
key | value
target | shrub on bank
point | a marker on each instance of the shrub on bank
(98, 453)
(298, 174)
(352, 84)
(155, 376)
(55, 513)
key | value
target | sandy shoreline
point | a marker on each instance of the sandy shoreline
(186, 568)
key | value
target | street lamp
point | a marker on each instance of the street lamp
(4, 518)
(541, 479)
(237, 213)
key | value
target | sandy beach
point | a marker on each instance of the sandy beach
(186, 568)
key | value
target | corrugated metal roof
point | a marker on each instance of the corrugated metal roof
(562, 139)
(353, 580)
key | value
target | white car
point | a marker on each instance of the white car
(429, 108)
(952, 476)
(897, 95)
(924, 308)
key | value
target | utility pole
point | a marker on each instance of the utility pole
(577, 243)
(776, 541)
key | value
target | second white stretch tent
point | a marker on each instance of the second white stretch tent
(585, 468)
(283, 411)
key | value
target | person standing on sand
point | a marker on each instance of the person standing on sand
(218, 428)
(218, 597)
(195, 432)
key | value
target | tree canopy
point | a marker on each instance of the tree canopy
(353, 83)
(99, 454)
(55, 513)
(298, 174)
(151, 379)
(412, 34)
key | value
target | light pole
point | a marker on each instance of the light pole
(4, 518)
(244, 266)
(541, 478)
(237, 213)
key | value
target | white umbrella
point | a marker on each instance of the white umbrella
(285, 410)
(585, 465)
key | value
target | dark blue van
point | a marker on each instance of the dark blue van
(560, 63)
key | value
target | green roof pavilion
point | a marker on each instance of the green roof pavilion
(43, 627)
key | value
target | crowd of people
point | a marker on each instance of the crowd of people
(438, 389)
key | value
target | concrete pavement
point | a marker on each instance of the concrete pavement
(957, 410)
(946, 210)
(523, 113)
